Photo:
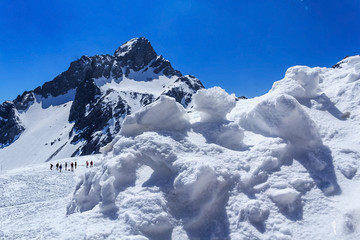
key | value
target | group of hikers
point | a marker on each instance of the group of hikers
(72, 165)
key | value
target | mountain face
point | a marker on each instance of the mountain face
(10, 126)
(99, 92)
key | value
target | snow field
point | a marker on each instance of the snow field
(32, 201)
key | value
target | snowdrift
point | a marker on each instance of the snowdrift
(280, 166)
(224, 169)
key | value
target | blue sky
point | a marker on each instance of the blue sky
(242, 46)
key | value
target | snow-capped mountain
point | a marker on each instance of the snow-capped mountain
(82, 109)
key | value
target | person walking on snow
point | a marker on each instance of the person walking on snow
(72, 166)
(75, 165)
(57, 166)
(51, 166)
(65, 166)
(60, 167)
(87, 164)
(91, 163)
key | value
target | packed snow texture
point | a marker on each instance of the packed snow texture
(282, 116)
(46, 133)
(210, 110)
(299, 82)
(163, 115)
(279, 166)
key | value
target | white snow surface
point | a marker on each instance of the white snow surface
(45, 136)
(126, 48)
(163, 115)
(280, 166)
(141, 84)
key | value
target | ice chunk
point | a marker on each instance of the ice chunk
(213, 104)
(348, 170)
(302, 185)
(254, 212)
(282, 117)
(287, 199)
(163, 115)
(299, 82)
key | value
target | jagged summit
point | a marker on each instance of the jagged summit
(136, 53)
(136, 57)
(140, 44)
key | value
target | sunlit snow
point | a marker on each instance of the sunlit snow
(280, 166)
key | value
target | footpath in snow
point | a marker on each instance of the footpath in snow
(33, 201)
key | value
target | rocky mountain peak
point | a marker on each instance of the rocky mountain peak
(136, 53)
(135, 44)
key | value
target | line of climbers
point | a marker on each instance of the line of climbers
(72, 165)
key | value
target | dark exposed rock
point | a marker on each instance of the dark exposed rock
(85, 99)
(338, 65)
(88, 125)
(183, 89)
(136, 53)
(79, 71)
(160, 64)
(24, 101)
(10, 126)
(146, 99)
(240, 98)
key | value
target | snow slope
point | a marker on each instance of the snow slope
(46, 134)
(280, 166)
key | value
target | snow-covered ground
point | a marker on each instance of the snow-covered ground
(280, 166)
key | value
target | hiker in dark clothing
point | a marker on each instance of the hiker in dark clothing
(57, 166)
(87, 164)
(51, 166)
(60, 167)
(75, 165)
(91, 164)
(72, 166)
(65, 166)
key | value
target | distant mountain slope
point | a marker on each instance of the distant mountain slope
(97, 93)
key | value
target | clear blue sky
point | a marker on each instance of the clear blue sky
(242, 46)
